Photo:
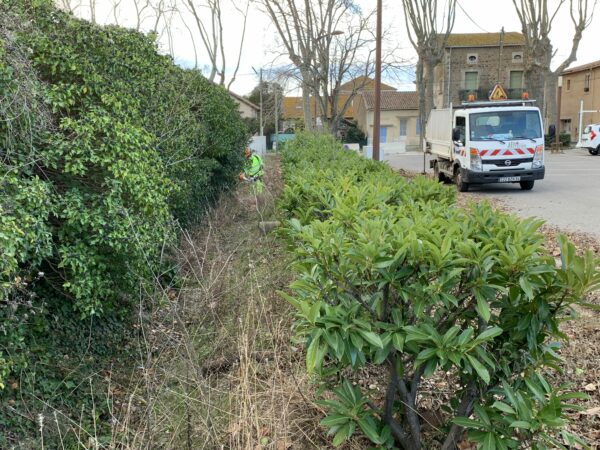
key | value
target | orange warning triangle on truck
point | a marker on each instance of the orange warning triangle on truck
(498, 93)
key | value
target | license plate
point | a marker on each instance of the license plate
(508, 179)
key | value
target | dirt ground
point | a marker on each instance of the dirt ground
(582, 352)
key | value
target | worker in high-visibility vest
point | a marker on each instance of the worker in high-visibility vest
(253, 169)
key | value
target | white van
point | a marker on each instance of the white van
(590, 139)
(487, 142)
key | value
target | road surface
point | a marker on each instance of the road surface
(568, 197)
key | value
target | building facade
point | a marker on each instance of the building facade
(248, 110)
(292, 107)
(581, 83)
(474, 63)
(400, 125)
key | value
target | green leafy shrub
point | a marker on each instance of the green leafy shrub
(564, 138)
(104, 145)
(391, 274)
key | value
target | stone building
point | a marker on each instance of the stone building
(580, 83)
(474, 63)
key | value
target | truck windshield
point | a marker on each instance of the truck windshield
(505, 125)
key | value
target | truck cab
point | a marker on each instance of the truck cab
(487, 142)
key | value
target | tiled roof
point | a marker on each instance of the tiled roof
(363, 83)
(292, 107)
(582, 68)
(393, 100)
(241, 99)
(484, 39)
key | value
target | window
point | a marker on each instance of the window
(383, 135)
(403, 123)
(516, 79)
(569, 84)
(586, 84)
(418, 129)
(471, 81)
(505, 125)
(472, 58)
(460, 124)
(517, 57)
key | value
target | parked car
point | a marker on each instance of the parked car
(590, 139)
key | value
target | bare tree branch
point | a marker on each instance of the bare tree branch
(537, 19)
(208, 18)
(429, 38)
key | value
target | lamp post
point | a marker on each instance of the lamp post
(558, 107)
(333, 33)
(377, 112)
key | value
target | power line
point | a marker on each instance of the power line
(469, 17)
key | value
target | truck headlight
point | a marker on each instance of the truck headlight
(476, 160)
(538, 157)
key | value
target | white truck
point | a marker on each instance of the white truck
(590, 138)
(487, 142)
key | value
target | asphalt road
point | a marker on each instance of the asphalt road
(567, 197)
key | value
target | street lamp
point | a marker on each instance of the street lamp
(333, 33)
(558, 106)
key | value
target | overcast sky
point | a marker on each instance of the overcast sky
(261, 46)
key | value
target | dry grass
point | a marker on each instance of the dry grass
(217, 366)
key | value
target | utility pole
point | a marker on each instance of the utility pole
(276, 119)
(377, 112)
(260, 93)
(558, 107)
(500, 56)
(260, 89)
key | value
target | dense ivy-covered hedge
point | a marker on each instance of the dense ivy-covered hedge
(104, 145)
(392, 274)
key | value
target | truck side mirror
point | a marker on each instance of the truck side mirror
(456, 134)
(552, 131)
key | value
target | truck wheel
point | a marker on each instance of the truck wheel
(437, 175)
(594, 151)
(461, 185)
(527, 185)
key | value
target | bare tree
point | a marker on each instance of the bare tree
(244, 13)
(536, 19)
(192, 40)
(115, 10)
(294, 24)
(70, 6)
(309, 31)
(92, 6)
(140, 6)
(429, 37)
(208, 17)
(340, 59)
